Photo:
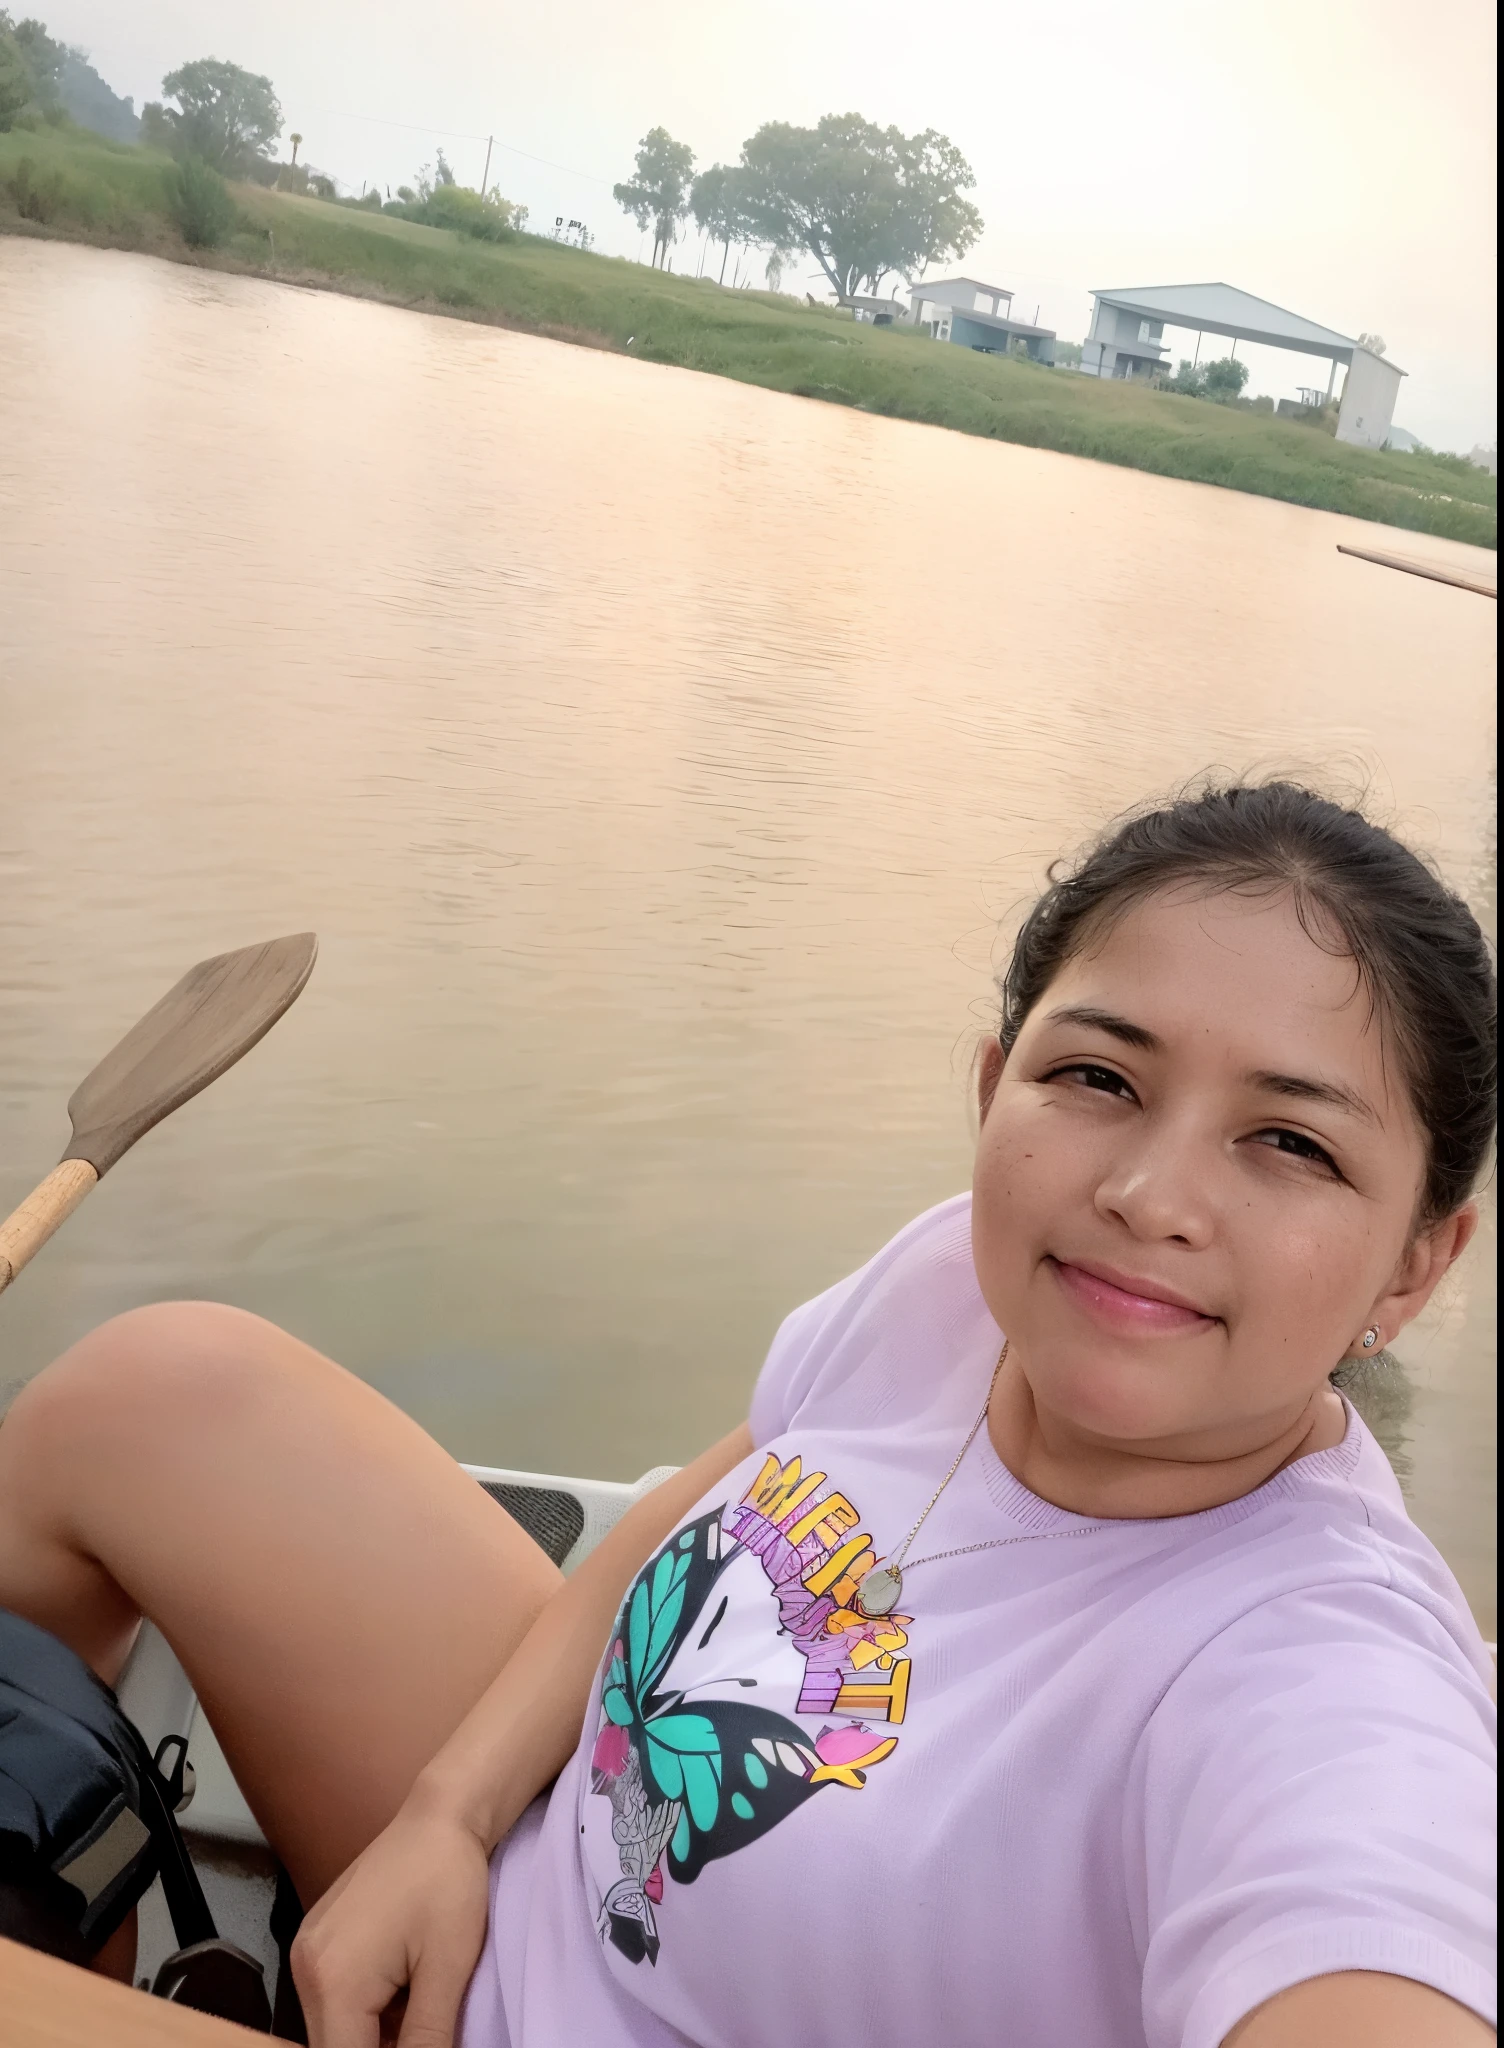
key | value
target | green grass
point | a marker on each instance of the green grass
(82, 187)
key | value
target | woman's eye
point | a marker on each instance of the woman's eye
(1298, 1146)
(1091, 1076)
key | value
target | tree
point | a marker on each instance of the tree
(31, 64)
(719, 202)
(296, 140)
(17, 86)
(156, 129)
(865, 201)
(87, 100)
(656, 196)
(225, 115)
(1223, 380)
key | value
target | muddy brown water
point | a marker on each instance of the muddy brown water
(657, 759)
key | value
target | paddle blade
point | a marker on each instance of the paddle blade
(201, 1027)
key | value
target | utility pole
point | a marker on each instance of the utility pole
(485, 176)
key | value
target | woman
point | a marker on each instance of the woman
(1084, 1687)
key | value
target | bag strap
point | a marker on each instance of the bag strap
(162, 1790)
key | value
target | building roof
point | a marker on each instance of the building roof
(1223, 309)
(928, 289)
(1003, 324)
(1000, 321)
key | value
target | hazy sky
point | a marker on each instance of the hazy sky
(1337, 158)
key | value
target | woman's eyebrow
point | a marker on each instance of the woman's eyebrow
(1300, 1088)
(1106, 1020)
(1294, 1087)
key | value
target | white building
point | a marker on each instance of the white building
(1126, 339)
(971, 314)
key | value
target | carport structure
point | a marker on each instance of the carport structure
(1126, 339)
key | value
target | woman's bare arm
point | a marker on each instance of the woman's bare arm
(1360, 2009)
(521, 1733)
(410, 1912)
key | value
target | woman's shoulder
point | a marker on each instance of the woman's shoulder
(1337, 1562)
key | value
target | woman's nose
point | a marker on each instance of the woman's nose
(1160, 1189)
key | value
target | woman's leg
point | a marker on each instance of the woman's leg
(338, 1590)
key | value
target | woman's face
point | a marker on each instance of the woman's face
(1197, 1178)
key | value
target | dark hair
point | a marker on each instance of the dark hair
(1416, 945)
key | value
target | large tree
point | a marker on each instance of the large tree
(719, 201)
(657, 195)
(866, 202)
(225, 115)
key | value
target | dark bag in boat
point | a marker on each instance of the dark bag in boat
(87, 1823)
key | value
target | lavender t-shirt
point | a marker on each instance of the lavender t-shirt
(1094, 1784)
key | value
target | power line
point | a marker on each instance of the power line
(462, 135)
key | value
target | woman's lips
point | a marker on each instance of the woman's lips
(1120, 1307)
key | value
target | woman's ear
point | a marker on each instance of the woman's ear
(990, 1066)
(1431, 1255)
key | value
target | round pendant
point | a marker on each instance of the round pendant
(878, 1594)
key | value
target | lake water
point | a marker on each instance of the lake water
(659, 761)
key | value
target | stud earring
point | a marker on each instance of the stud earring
(1370, 1338)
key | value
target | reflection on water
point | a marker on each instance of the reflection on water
(656, 758)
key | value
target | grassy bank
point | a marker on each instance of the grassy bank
(79, 186)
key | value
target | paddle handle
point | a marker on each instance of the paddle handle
(1432, 569)
(27, 1229)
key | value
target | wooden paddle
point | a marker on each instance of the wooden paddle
(1432, 569)
(201, 1027)
(48, 2004)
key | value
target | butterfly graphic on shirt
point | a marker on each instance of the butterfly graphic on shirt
(733, 1769)
(692, 1778)
(689, 1778)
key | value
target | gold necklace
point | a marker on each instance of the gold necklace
(881, 1589)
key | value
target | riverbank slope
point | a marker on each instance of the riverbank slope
(70, 184)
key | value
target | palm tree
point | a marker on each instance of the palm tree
(656, 196)
(295, 139)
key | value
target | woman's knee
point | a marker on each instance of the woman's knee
(171, 1365)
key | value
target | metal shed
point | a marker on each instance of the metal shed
(1127, 339)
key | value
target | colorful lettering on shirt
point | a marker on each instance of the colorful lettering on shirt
(815, 1569)
(692, 1778)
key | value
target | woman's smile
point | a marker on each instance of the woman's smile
(1126, 1305)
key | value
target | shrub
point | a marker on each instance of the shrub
(455, 206)
(201, 203)
(38, 196)
(1224, 379)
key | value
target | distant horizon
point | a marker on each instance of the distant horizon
(1340, 167)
